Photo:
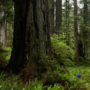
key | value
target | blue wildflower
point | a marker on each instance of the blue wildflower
(78, 75)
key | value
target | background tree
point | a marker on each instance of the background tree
(6, 17)
(67, 8)
(76, 58)
(2, 30)
(85, 35)
(58, 15)
(51, 15)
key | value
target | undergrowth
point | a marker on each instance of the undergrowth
(57, 73)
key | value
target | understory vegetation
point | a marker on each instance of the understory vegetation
(57, 73)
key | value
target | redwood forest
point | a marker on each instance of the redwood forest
(44, 44)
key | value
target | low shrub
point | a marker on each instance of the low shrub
(62, 52)
(48, 65)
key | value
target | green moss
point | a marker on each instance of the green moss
(5, 54)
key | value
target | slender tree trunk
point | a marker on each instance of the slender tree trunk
(67, 23)
(85, 17)
(51, 15)
(58, 15)
(2, 30)
(31, 36)
(83, 52)
(75, 32)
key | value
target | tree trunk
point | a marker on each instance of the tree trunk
(31, 36)
(83, 52)
(85, 33)
(51, 15)
(67, 23)
(75, 32)
(58, 15)
(2, 30)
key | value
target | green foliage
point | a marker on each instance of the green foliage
(5, 54)
(34, 85)
(84, 82)
(62, 81)
(55, 87)
(49, 70)
(48, 65)
(51, 73)
(10, 82)
(63, 53)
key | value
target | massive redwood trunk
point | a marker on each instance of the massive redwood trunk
(31, 35)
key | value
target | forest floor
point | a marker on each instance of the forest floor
(10, 81)
(84, 70)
